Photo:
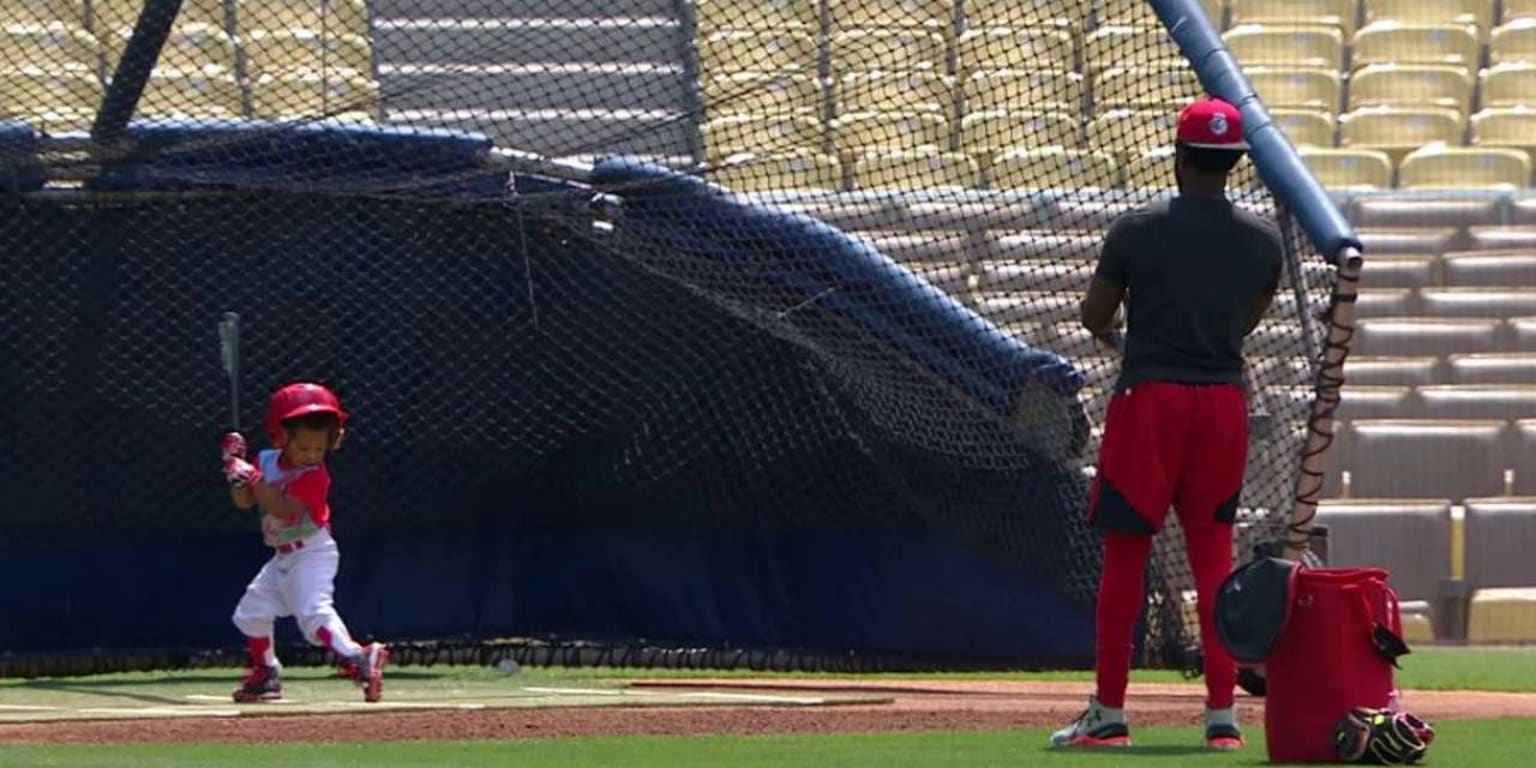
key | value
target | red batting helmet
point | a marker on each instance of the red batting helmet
(300, 398)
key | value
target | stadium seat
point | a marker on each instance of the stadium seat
(1385, 302)
(1492, 368)
(1333, 13)
(739, 50)
(783, 15)
(985, 134)
(915, 169)
(1524, 452)
(1398, 131)
(114, 16)
(189, 46)
(1511, 84)
(1522, 334)
(1140, 11)
(1513, 42)
(1411, 85)
(1128, 88)
(1497, 302)
(897, 50)
(1344, 169)
(1297, 87)
(1478, 401)
(1411, 538)
(1011, 13)
(935, 15)
(1427, 458)
(69, 12)
(210, 94)
(803, 170)
(47, 45)
(1046, 309)
(1007, 276)
(1416, 241)
(305, 50)
(767, 134)
(762, 93)
(1502, 615)
(1499, 534)
(310, 95)
(1306, 127)
(1389, 42)
(1011, 89)
(1438, 167)
(1496, 268)
(1388, 371)
(58, 121)
(32, 90)
(858, 132)
(1519, 9)
(1431, 215)
(942, 250)
(1478, 13)
(332, 17)
(1047, 244)
(1022, 48)
(1054, 168)
(1400, 270)
(951, 278)
(1361, 401)
(1513, 127)
(1438, 336)
(896, 92)
(1120, 132)
(1501, 238)
(1279, 45)
(1143, 47)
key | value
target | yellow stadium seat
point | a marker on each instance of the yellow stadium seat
(766, 134)
(804, 170)
(1411, 85)
(297, 50)
(1297, 87)
(1126, 88)
(858, 132)
(173, 93)
(1153, 170)
(915, 169)
(1007, 89)
(887, 49)
(739, 50)
(1510, 84)
(801, 15)
(1054, 168)
(1502, 615)
(70, 12)
(762, 93)
(57, 121)
(113, 16)
(1515, 41)
(1013, 13)
(1333, 13)
(189, 46)
(33, 89)
(47, 45)
(896, 92)
(1140, 11)
(1505, 127)
(1147, 47)
(1306, 127)
(935, 15)
(1122, 132)
(984, 134)
(1286, 45)
(1440, 167)
(1399, 130)
(308, 95)
(1519, 9)
(1478, 13)
(1389, 42)
(333, 17)
(1348, 169)
(1017, 48)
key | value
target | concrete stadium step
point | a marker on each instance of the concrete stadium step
(534, 86)
(522, 9)
(561, 133)
(500, 41)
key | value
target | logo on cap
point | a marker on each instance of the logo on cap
(1219, 124)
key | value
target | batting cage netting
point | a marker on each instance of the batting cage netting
(677, 324)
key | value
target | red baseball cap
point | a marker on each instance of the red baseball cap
(1211, 123)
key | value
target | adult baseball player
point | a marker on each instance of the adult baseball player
(1196, 275)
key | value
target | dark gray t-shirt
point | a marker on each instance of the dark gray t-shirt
(1192, 267)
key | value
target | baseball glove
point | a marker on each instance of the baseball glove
(1381, 737)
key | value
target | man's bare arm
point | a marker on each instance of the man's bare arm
(1100, 306)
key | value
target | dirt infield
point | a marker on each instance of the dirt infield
(911, 706)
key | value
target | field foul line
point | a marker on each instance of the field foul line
(33, 708)
(719, 696)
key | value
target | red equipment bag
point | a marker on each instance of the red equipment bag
(1337, 651)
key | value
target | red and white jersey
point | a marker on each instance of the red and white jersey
(310, 485)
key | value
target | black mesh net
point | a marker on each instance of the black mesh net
(630, 340)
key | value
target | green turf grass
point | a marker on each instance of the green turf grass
(1460, 743)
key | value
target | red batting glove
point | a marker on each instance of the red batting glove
(240, 473)
(232, 446)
